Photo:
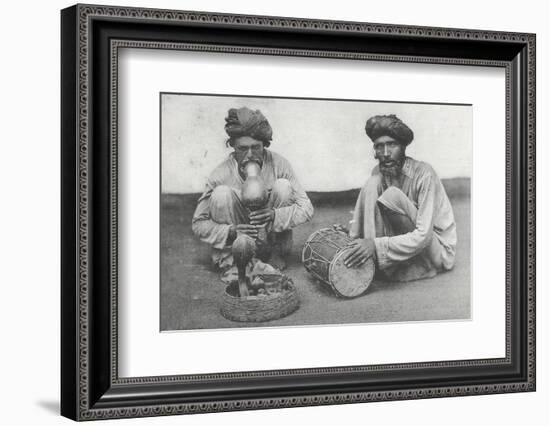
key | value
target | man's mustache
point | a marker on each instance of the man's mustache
(389, 163)
(244, 162)
(253, 160)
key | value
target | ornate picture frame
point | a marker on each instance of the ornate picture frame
(91, 39)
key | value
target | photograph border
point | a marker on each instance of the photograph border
(91, 37)
(276, 98)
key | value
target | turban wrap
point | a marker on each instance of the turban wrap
(246, 122)
(389, 125)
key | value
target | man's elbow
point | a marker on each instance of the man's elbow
(309, 210)
(424, 240)
(196, 227)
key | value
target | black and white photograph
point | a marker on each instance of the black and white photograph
(278, 211)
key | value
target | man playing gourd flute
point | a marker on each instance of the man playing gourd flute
(403, 217)
(221, 215)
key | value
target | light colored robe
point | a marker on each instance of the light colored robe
(293, 211)
(430, 247)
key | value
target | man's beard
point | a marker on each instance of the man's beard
(391, 170)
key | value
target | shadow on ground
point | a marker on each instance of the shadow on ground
(52, 407)
(191, 289)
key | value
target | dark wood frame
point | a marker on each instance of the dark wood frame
(90, 386)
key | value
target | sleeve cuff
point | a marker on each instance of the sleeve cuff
(222, 238)
(382, 247)
(278, 223)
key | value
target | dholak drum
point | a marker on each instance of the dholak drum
(323, 257)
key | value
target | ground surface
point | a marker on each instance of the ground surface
(191, 290)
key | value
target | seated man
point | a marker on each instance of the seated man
(403, 216)
(220, 214)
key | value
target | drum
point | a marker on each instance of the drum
(323, 257)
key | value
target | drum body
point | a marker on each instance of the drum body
(323, 257)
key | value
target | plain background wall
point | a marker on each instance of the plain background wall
(29, 167)
(325, 141)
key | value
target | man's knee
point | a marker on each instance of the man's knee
(226, 206)
(392, 196)
(397, 210)
(223, 204)
(221, 197)
(282, 190)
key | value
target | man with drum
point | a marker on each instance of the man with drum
(221, 215)
(403, 217)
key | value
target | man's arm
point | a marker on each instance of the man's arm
(362, 226)
(356, 223)
(363, 222)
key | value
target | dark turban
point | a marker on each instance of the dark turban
(245, 122)
(389, 125)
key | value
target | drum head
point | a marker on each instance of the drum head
(350, 282)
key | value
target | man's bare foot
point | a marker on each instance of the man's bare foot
(277, 261)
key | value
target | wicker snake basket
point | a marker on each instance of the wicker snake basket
(260, 308)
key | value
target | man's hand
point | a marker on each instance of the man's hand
(262, 217)
(234, 230)
(361, 250)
